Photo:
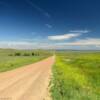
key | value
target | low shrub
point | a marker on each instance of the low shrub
(17, 54)
(33, 54)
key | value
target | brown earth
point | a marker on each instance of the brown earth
(26, 83)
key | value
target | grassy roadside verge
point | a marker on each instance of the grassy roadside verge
(10, 63)
(11, 59)
(76, 77)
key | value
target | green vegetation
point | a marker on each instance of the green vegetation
(11, 59)
(76, 76)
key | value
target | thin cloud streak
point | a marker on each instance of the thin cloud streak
(83, 42)
(17, 45)
(38, 8)
(48, 25)
(79, 31)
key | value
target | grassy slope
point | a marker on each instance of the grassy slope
(76, 77)
(11, 62)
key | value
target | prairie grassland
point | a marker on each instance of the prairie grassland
(76, 76)
(11, 59)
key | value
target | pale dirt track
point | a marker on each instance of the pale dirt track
(26, 83)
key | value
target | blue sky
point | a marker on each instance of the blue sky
(50, 24)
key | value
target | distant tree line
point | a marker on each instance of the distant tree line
(24, 54)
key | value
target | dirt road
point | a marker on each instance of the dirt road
(26, 83)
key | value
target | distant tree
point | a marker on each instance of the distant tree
(33, 53)
(17, 54)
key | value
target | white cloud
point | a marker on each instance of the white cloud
(79, 31)
(63, 37)
(88, 43)
(83, 42)
(71, 34)
(17, 45)
(98, 46)
(25, 45)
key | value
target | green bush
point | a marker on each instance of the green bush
(17, 54)
(33, 53)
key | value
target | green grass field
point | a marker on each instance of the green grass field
(76, 76)
(11, 59)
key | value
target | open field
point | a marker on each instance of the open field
(11, 59)
(76, 76)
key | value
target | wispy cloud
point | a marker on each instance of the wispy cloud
(63, 37)
(79, 31)
(48, 25)
(88, 43)
(45, 13)
(71, 34)
(82, 42)
(16, 45)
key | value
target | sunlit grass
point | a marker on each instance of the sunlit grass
(9, 63)
(11, 59)
(78, 78)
